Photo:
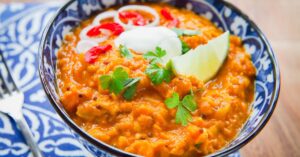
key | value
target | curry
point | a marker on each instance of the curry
(111, 92)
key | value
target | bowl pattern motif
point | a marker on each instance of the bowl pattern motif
(223, 14)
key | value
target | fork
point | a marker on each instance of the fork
(11, 102)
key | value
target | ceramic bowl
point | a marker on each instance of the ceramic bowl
(221, 13)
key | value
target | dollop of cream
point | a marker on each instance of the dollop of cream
(145, 39)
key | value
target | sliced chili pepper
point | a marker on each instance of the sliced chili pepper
(167, 15)
(136, 18)
(92, 54)
(115, 28)
(95, 31)
(129, 15)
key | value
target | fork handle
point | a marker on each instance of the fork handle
(23, 126)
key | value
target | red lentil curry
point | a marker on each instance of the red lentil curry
(100, 92)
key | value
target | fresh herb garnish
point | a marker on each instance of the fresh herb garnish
(158, 74)
(185, 47)
(189, 103)
(155, 71)
(156, 56)
(184, 107)
(173, 101)
(125, 52)
(119, 81)
(186, 32)
(115, 81)
(130, 88)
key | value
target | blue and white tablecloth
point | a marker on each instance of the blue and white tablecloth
(21, 26)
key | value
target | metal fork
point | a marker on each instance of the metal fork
(11, 102)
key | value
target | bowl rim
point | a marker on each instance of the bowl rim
(115, 151)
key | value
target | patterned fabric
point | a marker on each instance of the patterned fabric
(21, 28)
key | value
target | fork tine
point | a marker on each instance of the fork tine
(7, 82)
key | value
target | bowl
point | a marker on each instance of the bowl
(221, 13)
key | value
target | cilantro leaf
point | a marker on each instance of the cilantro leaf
(115, 81)
(184, 107)
(120, 74)
(125, 52)
(160, 52)
(152, 57)
(185, 47)
(119, 81)
(156, 56)
(116, 86)
(130, 88)
(182, 115)
(154, 71)
(189, 103)
(129, 92)
(105, 81)
(173, 101)
(187, 32)
(158, 74)
(167, 75)
(129, 82)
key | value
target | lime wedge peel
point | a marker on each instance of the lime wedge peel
(204, 61)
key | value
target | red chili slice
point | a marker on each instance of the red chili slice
(167, 15)
(95, 31)
(115, 28)
(129, 15)
(92, 54)
(136, 18)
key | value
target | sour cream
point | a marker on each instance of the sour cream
(145, 39)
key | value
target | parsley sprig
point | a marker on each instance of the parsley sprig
(115, 81)
(158, 74)
(185, 32)
(155, 71)
(130, 88)
(155, 57)
(119, 81)
(125, 52)
(184, 107)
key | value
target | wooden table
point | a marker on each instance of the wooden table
(280, 21)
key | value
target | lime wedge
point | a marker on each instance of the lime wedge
(204, 61)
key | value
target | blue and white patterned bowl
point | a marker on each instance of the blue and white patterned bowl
(223, 14)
